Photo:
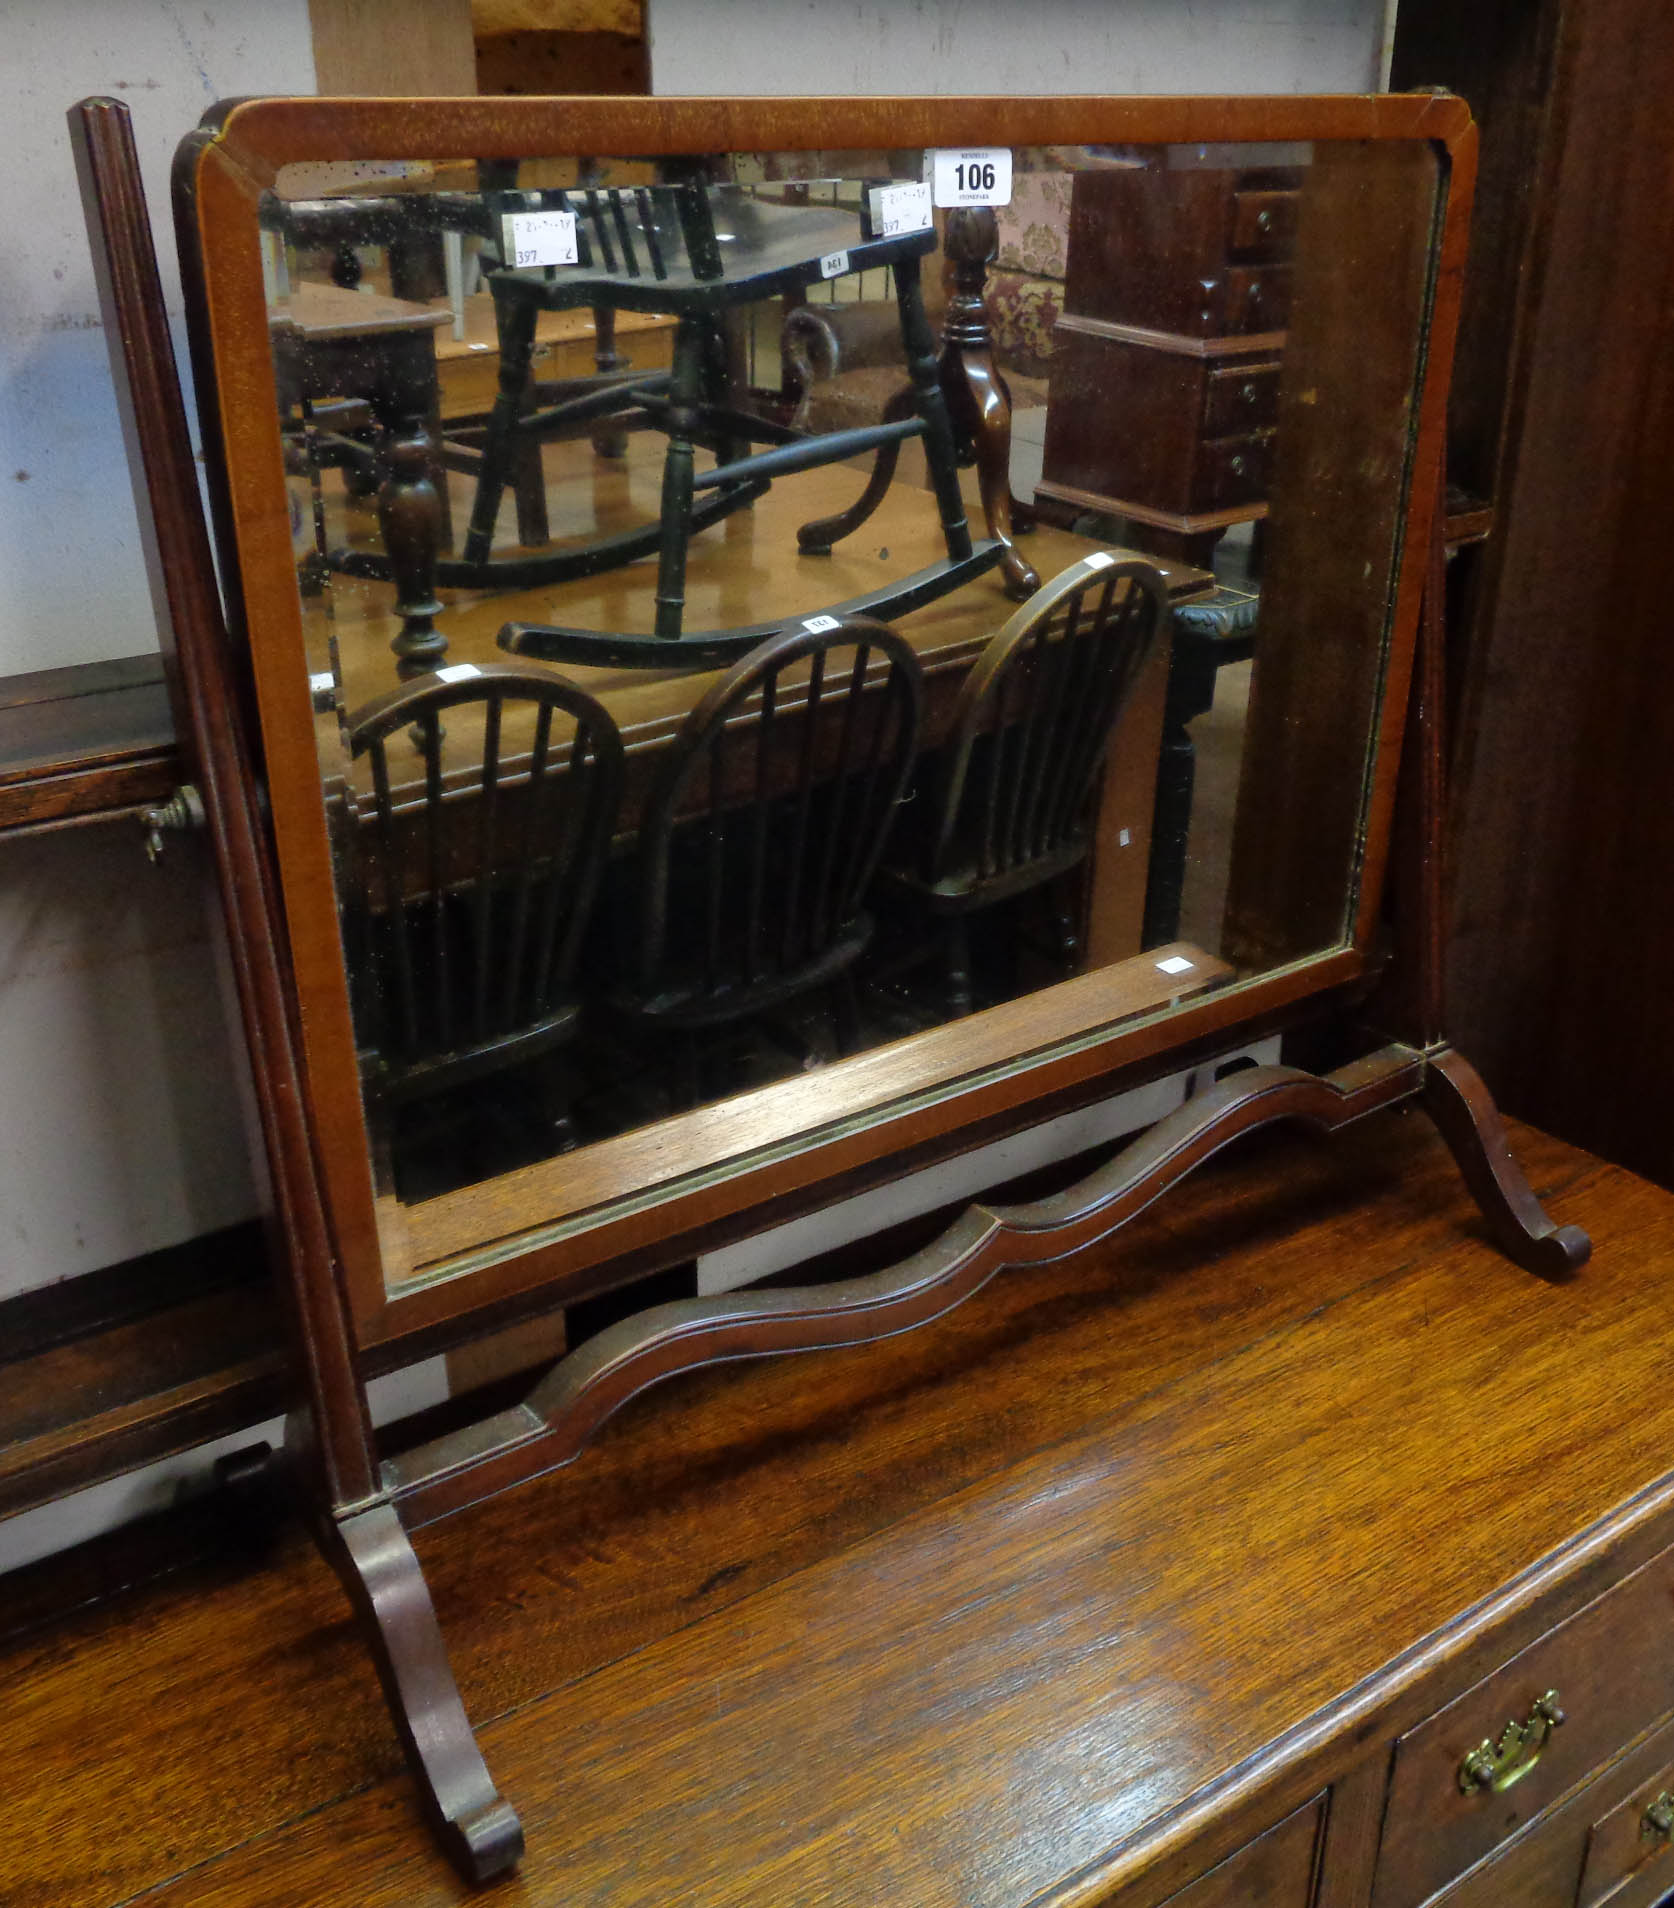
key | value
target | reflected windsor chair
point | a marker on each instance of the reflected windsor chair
(704, 253)
(1012, 789)
(765, 828)
(469, 890)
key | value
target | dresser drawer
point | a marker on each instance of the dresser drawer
(1263, 224)
(1611, 1667)
(1241, 398)
(1561, 1860)
(1276, 1869)
(1633, 1841)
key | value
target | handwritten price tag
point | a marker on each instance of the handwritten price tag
(981, 176)
(899, 208)
(539, 238)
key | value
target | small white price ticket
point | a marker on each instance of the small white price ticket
(979, 176)
(539, 238)
(834, 264)
(818, 625)
(899, 208)
(457, 672)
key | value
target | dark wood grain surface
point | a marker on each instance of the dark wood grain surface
(79, 742)
(1563, 813)
(1071, 1584)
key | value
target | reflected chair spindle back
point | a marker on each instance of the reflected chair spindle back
(472, 890)
(1033, 722)
(769, 818)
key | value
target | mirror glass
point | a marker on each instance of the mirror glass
(787, 630)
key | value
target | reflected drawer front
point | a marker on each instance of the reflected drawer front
(1255, 298)
(1263, 224)
(1241, 398)
(1611, 1666)
(1233, 470)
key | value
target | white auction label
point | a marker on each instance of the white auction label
(1099, 560)
(539, 238)
(1175, 964)
(899, 208)
(818, 625)
(458, 672)
(834, 264)
(980, 176)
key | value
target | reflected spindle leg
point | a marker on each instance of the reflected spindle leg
(940, 452)
(978, 402)
(516, 325)
(686, 391)
(410, 518)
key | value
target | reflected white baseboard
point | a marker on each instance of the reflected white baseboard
(963, 1178)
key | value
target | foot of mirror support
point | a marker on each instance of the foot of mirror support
(1465, 1114)
(478, 1830)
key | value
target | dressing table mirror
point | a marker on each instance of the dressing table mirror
(675, 766)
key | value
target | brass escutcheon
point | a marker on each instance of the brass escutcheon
(1496, 1766)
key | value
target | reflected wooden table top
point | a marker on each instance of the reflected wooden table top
(747, 568)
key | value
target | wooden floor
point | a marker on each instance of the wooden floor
(941, 1620)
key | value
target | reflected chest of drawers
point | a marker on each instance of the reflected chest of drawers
(1165, 363)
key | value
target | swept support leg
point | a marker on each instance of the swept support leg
(1467, 1118)
(372, 1554)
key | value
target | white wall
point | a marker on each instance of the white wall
(119, 1124)
(118, 1130)
(71, 584)
(1000, 46)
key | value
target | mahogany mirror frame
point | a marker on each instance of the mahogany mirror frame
(1014, 1065)
(289, 977)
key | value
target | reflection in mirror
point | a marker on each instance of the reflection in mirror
(693, 711)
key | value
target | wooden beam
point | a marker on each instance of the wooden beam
(393, 47)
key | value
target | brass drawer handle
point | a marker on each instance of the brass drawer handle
(1658, 1818)
(1497, 1766)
